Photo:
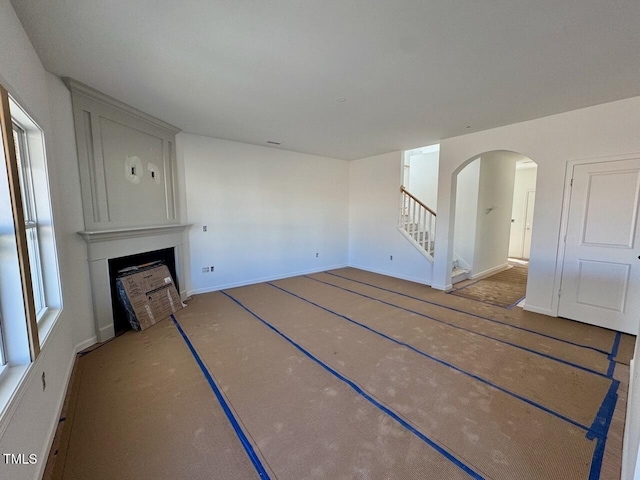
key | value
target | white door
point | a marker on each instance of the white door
(528, 224)
(601, 270)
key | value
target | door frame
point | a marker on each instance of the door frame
(564, 219)
(524, 227)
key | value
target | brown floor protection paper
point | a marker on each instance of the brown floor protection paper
(306, 423)
(627, 346)
(140, 406)
(144, 410)
(561, 350)
(496, 434)
(562, 388)
(503, 289)
(577, 332)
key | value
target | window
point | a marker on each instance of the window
(17, 307)
(30, 217)
(3, 360)
(30, 295)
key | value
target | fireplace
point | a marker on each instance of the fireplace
(111, 250)
(165, 256)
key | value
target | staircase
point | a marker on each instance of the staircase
(458, 274)
(418, 225)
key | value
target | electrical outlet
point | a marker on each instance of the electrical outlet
(316, 254)
(212, 268)
(390, 257)
(205, 269)
(44, 382)
(204, 228)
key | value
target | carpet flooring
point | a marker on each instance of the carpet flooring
(503, 289)
(348, 374)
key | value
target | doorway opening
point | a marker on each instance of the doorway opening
(524, 196)
(493, 227)
(420, 174)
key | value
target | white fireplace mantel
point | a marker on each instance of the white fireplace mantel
(103, 245)
(96, 236)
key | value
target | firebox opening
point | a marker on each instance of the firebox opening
(166, 256)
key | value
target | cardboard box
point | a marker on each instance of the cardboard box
(148, 294)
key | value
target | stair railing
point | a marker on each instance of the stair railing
(418, 221)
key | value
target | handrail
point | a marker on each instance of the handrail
(404, 190)
(418, 223)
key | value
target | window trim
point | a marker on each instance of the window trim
(3, 355)
(6, 127)
(31, 216)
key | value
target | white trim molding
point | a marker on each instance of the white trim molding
(490, 271)
(217, 288)
(96, 236)
(103, 245)
(395, 275)
(87, 91)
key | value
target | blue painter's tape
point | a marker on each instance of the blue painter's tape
(470, 314)
(516, 302)
(225, 407)
(600, 425)
(603, 421)
(596, 461)
(574, 365)
(616, 346)
(83, 354)
(364, 394)
(442, 362)
(458, 289)
(613, 354)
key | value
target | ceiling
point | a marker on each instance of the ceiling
(410, 72)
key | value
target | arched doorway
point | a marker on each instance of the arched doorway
(494, 203)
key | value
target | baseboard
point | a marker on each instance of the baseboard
(86, 344)
(442, 287)
(105, 333)
(56, 420)
(216, 288)
(490, 271)
(391, 274)
(544, 311)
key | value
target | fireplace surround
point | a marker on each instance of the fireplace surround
(105, 245)
(129, 184)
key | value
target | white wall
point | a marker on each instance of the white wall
(466, 214)
(71, 246)
(525, 182)
(374, 209)
(268, 212)
(598, 131)
(495, 200)
(27, 425)
(484, 197)
(423, 178)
